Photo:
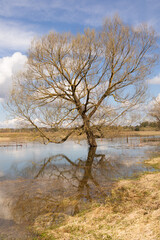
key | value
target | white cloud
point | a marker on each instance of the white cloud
(152, 102)
(90, 12)
(14, 36)
(8, 67)
(12, 123)
(18, 122)
(158, 97)
(155, 80)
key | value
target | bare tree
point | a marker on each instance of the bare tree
(155, 111)
(86, 80)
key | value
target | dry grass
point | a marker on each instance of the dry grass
(140, 133)
(131, 212)
(155, 162)
(7, 137)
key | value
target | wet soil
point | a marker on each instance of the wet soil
(9, 230)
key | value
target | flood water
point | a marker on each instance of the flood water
(39, 177)
(123, 157)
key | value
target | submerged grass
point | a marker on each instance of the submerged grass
(154, 162)
(132, 211)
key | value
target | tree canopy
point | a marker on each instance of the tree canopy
(84, 80)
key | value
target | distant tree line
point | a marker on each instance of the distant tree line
(142, 126)
(147, 124)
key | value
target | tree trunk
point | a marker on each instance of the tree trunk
(90, 135)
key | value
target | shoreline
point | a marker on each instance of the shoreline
(132, 211)
(24, 137)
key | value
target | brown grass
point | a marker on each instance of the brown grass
(132, 212)
(24, 136)
(8, 137)
(141, 133)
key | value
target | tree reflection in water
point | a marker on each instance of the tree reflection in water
(63, 185)
(86, 176)
(82, 180)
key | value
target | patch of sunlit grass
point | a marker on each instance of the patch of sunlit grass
(131, 212)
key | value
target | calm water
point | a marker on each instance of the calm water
(123, 157)
(36, 179)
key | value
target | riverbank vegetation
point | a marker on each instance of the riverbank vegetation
(29, 134)
(132, 211)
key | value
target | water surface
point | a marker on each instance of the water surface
(36, 179)
(124, 155)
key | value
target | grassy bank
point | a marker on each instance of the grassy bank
(131, 212)
(28, 136)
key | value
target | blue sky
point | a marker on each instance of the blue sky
(21, 20)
